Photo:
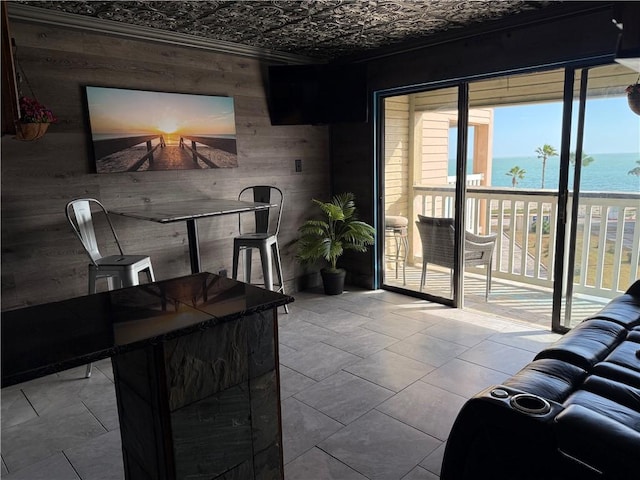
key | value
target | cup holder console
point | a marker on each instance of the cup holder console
(531, 404)
(525, 403)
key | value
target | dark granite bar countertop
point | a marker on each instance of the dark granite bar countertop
(52, 337)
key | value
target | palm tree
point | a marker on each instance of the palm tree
(516, 173)
(586, 159)
(635, 170)
(545, 152)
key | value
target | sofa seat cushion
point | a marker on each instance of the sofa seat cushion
(626, 355)
(618, 373)
(606, 407)
(587, 343)
(619, 392)
(634, 335)
(548, 378)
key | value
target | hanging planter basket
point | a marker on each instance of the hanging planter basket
(633, 96)
(31, 131)
(34, 120)
(634, 102)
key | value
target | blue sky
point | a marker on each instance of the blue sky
(121, 111)
(610, 127)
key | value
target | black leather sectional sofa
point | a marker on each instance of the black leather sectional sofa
(572, 413)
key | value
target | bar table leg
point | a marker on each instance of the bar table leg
(194, 246)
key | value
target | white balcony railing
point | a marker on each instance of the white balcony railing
(607, 244)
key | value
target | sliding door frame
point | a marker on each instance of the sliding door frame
(560, 269)
(459, 219)
(563, 199)
(457, 297)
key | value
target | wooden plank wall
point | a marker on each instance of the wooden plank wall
(435, 147)
(42, 261)
(396, 155)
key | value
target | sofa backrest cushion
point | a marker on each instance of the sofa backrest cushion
(624, 310)
(587, 343)
(548, 378)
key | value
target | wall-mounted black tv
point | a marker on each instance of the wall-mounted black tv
(317, 94)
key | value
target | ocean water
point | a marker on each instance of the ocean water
(109, 136)
(608, 172)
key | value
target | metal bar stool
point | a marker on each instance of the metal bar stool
(260, 232)
(396, 227)
(119, 270)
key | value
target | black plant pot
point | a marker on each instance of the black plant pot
(333, 280)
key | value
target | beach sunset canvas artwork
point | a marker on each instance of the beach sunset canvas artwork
(136, 130)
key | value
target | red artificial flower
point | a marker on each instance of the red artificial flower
(633, 89)
(32, 111)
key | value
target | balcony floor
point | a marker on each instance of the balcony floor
(511, 300)
(371, 382)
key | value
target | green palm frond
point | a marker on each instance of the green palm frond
(340, 230)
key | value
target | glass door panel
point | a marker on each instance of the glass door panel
(515, 125)
(602, 257)
(418, 152)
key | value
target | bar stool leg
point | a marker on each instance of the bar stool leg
(397, 239)
(267, 269)
(92, 281)
(397, 226)
(236, 255)
(247, 264)
(150, 276)
(276, 254)
(405, 242)
(130, 279)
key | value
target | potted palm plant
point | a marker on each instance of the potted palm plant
(329, 237)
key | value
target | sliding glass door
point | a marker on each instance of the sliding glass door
(420, 151)
(553, 183)
(518, 130)
(603, 237)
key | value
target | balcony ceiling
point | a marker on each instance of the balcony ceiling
(319, 29)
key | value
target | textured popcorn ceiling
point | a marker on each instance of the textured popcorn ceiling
(324, 29)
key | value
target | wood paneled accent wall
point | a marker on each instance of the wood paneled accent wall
(42, 261)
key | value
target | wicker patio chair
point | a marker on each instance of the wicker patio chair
(437, 238)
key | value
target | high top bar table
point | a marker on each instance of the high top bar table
(195, 363)
(189, 211)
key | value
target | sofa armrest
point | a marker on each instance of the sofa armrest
(489, 432)
(599, 442)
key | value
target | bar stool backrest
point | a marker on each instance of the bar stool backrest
(263, 221)
(79, 214)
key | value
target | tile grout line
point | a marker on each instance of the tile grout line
(106, 430)
(338, 460)
(29, 402)
(72, 465)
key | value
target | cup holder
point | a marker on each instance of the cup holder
(531, 404)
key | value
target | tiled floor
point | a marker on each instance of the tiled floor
(371, 384)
